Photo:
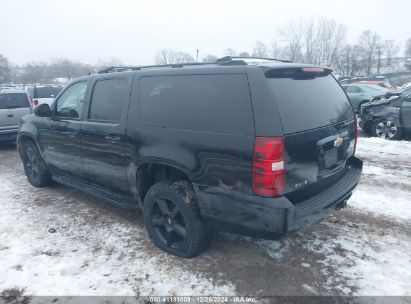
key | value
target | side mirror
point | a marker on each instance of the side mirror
(42, 110)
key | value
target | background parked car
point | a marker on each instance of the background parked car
(380, 80)
(13, 105)
(387, 119)
(359, 94)
(43, 94)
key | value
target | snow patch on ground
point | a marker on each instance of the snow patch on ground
(378, 264)
(96, 256)
(385, 188)
(393, 204)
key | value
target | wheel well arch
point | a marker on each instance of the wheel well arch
(360, 104)
(24, 138)
(151, 173)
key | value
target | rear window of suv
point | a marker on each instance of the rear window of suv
(309, 103)
(217, 103)
(46, 92)
(14, 101)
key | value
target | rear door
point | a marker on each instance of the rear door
(103, 131)
(318, 124)
(13, 106)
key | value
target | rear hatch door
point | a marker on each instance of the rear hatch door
(318, 125)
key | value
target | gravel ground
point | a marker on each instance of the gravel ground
(59, 241)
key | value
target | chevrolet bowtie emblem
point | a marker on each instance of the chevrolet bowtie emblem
(338, 142)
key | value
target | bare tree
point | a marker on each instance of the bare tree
(259, 50)
(210, 58)
(350, 60)
(408, 48)
(244, 54)
(230, 52)
(4, 69)
(66, 68)
(293, 36)
(390, 50)
(371, 44)
(169, 56)
(277, 51)
(105, 63)
(316, 41)
(34, 72)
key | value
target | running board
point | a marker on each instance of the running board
(117, 199)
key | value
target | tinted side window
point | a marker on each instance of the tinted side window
(14, 101)
(212, 103)
(109, 99)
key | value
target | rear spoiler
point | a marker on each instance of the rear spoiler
(297, 72)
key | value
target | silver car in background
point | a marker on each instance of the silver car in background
(14, 104)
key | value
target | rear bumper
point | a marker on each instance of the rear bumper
(273, 217)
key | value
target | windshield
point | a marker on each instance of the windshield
(306, 104)
(13, 101)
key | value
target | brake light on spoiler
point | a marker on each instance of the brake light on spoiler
(268, 166)
(313, 70)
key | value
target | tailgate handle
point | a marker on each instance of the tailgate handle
(112, 139)
(9, 115)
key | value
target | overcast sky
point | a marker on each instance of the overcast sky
(37, 30)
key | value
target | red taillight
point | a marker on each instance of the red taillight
(313, 70)
(355, 132)
(35, 102)
(268, 166)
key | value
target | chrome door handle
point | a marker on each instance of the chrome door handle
(9, 115)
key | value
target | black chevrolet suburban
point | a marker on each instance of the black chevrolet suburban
(258, 148)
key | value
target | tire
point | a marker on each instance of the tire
(386, 129)
(34, 166)
(173, 220)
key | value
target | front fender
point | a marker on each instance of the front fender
(386, 112)
(29, 130)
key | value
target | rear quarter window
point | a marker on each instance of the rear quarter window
(217, 103)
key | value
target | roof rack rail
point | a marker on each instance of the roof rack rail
(226, 59)
(142, 67)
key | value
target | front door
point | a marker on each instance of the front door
(103, 132)
(61, 139)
